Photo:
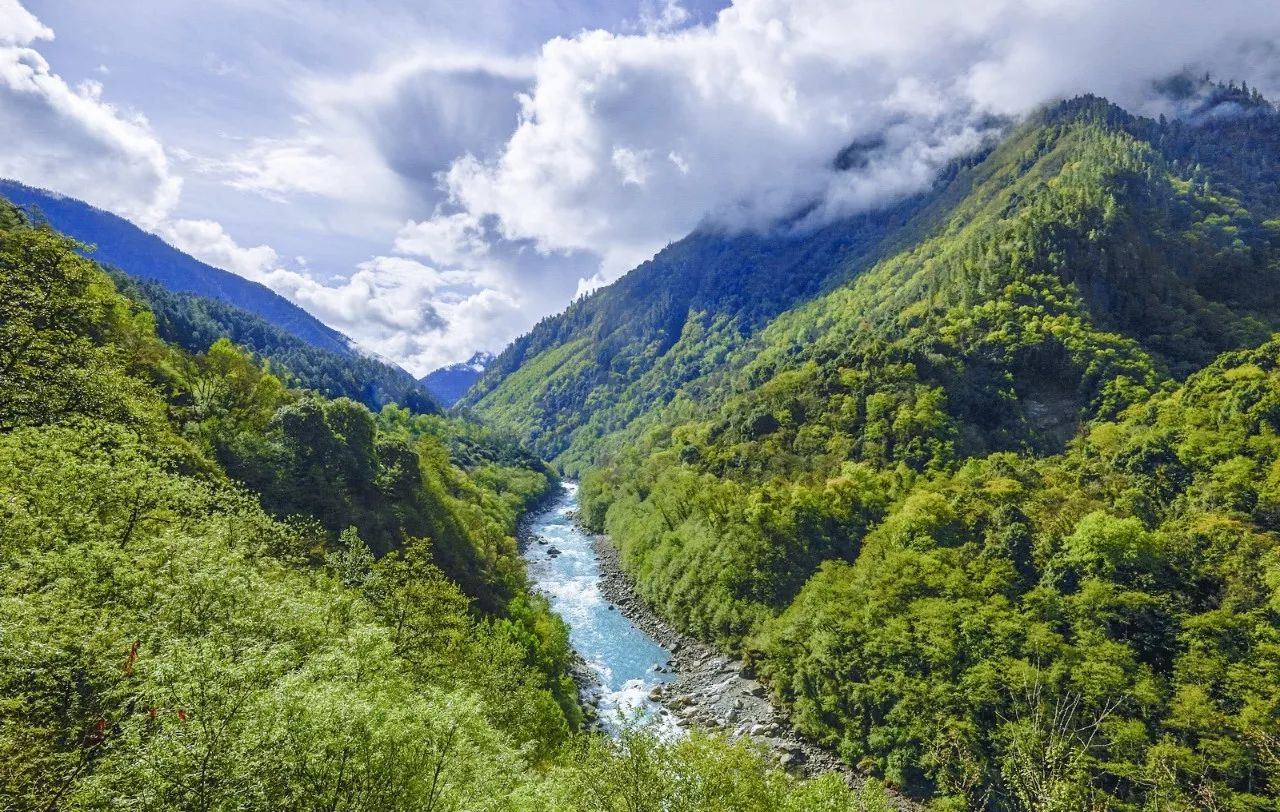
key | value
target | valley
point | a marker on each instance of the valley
(635, 667)
(970, 501)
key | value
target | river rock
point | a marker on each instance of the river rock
(553, 551)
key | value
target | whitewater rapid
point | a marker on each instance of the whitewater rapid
(627, 664)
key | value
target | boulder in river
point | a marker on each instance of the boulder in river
(553, 552)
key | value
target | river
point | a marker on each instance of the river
(624, 660)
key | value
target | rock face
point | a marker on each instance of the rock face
(714, 691)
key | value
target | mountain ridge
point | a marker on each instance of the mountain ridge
(1021, 460)
(119, 243)
(197, 303)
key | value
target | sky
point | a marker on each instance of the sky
(432, 177)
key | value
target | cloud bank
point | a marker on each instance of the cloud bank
(492, 171)
(628, 141)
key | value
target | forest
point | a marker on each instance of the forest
(220, 591)
(986, 497)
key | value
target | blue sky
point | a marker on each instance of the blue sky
(432, 177)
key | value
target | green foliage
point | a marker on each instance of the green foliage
(640, 772)
(169, 639)
(981, 505)
(65, 336)
(195, 322)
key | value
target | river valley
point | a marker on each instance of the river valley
(636, 665)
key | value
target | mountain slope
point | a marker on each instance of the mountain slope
(196, 322)
(629, 347)
(192, 614)
(966, 510)
(448, 384)
(196, 304)
(1079, 275)
(121, 244)
(678, 319)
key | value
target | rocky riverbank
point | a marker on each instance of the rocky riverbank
(713, 691)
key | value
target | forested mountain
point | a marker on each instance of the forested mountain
(630, 346)
(196, 322)
(121, 244)
(196, 304)
(448, 384)
(983, 484)
(221, 593)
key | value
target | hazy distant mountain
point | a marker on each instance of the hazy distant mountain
(449, 384)
(196, 304)
(146, 256)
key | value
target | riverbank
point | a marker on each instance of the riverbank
(626, 656)
(711, 690)
(716, 692)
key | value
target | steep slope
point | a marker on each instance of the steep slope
(170, 639)
(448, 384)
(197, 304)
(122, 244)
(1082, 273)
(678, 321)
(629, 347)
(878, 499)
(196, 322)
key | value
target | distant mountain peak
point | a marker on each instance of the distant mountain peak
(449, 383)
(478, 362)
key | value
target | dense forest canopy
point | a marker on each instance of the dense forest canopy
(984, 489)
(218, 592)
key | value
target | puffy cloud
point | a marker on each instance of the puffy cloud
(535, 169)
(19, 26)
(457, 239)
(750, 110)
(69, 138)
(395, 306)
(209, 242)
(379, 137)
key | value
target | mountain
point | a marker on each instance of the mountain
(196, 304)
(448, 384)
(122, 244)
(679, 321)
(984, 485)
(629, 347)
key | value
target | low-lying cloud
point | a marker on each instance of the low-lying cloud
(628, 141)
(507, 174)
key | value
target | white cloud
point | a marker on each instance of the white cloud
(70, 139)
(488, 177)
(456, 239)
(209, 242)
(751, 109)
(275, 168)
(395, 306)
(19, 26)
(380, 136)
